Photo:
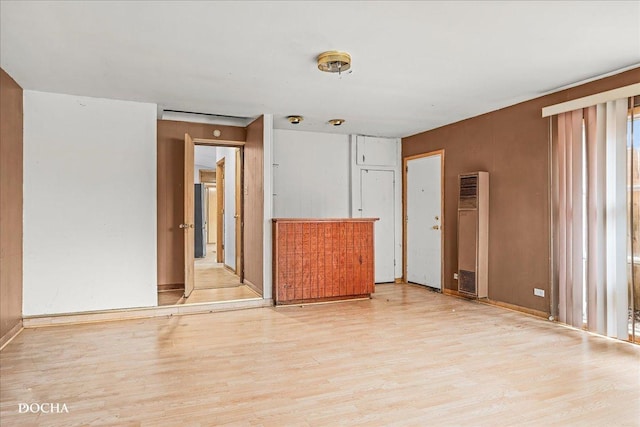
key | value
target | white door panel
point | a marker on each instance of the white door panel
(371, 151)
(377, 191)
(424, 213)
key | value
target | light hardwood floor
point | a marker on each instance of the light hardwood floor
(213, 283)
(406, 357)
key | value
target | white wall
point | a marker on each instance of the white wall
(229, 154)
(317, 175)
(204, 158)
(311, 175)
(89, 204)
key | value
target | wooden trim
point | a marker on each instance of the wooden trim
(500, 304)
(11, 334)
(405, 160)
(143, 313)
(239, 218)
(205, 177)
(252, 286)
(323, 300)
(170, 287)
(588, 101)
(398, 280)
(220, 183)
(218, 142)
(228, 268)
(212, 214)
(289, 220)
(455, 293)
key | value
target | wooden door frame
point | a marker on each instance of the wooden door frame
(211, 186)
(202, 172)
(220, 184)
(405, 161)
(239, 194)
(239, 223)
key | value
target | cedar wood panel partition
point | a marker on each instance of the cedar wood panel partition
(322, 259)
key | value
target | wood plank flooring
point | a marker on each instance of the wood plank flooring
(221, 294)
(212, 275)
(213, 283)
(406, 357)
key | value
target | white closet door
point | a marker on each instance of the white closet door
(377, 192)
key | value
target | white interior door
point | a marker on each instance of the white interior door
(377, 192)
(424, 213)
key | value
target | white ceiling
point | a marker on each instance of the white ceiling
(416, 65)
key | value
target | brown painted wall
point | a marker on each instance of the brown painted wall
(254, 203)
(11, 162)
(512, 144)
(170, 158)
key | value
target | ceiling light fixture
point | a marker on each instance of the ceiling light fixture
(334, 61)
(294, 120)
(336, 122)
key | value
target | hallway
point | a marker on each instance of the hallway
(213, 282)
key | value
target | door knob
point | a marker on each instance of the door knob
(436, 227)
(186, 226)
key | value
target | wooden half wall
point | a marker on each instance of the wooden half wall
(170, 158)
(512, 144)
(11, 170)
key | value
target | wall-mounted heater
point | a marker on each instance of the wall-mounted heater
(473, 234)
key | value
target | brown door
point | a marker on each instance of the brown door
(220, 194)
(188, 223)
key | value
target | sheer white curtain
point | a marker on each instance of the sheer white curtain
(589, 217)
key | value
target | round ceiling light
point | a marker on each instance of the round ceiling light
(294, 120)
(334, 61)
(336, 122)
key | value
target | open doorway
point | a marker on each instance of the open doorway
(213, 224)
